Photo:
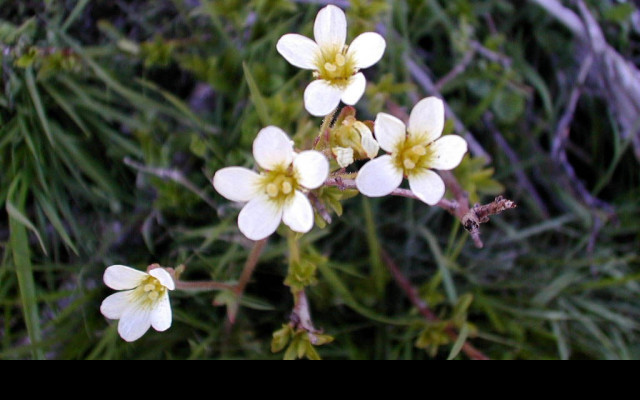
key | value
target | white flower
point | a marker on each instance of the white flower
(337, 66)
(276, 194)
(414, 152)
(143, 302)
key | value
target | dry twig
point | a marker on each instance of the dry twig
(471, 218)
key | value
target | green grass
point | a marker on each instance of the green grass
(171, 85)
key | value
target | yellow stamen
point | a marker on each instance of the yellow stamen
(408, 164)
(287, 188)
(419, 150)
(272, 190)
(149, 287)
(340, 60)
(330, 67)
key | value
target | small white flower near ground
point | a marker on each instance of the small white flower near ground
(142, 303)
(414, 152)
(336, 66)
(278, 193)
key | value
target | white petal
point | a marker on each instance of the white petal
(312, 169)
(331, 28)
(378, 178)
(298, 214)
(115, 305)
(367, 49)
(354, 92)
(119, 277)
(448, 152)
(260, 218)
(320, 98)
(428, 186)
(390, 132)
(273, 148)
(300, 51)
(427, 119)
(164, 277)
(369, 144)
(161, 315)
(236, 184)
(344, 156)
(134, 323)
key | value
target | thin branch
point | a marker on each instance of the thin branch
(492, 55)
(471, 219)
(202, 286)
(457, 70)
(562, 137)
(172, 175)
(423, 79)
(462, 197)
(481, 215)
(196, 286)
(350, 184)
(250, 267)
(521, 175)
(413, 296)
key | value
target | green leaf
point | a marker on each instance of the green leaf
(462, 339)
(37, 102)
(281, 338)
(55, 220)
(257, 98)
(230, 300)
(620, 13)
(18, 217)
(292, 352)
(77, 12)
(19, 242)
(509, 106)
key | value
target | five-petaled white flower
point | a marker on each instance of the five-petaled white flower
(143, 302)
(414, 152)
(276, 195)
(335, 65)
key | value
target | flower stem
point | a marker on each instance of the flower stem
(202, 286)
(294, 249)
(250, 267)
(326, 125)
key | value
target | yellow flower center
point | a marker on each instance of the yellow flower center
(149, 291)
(413, 156)
(280, 184)
(335, 67)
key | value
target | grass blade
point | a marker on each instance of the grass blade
(19, 242)
(37, 102)
(462, 339)
(256, 97)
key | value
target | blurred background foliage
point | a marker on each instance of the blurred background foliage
(98, 94)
